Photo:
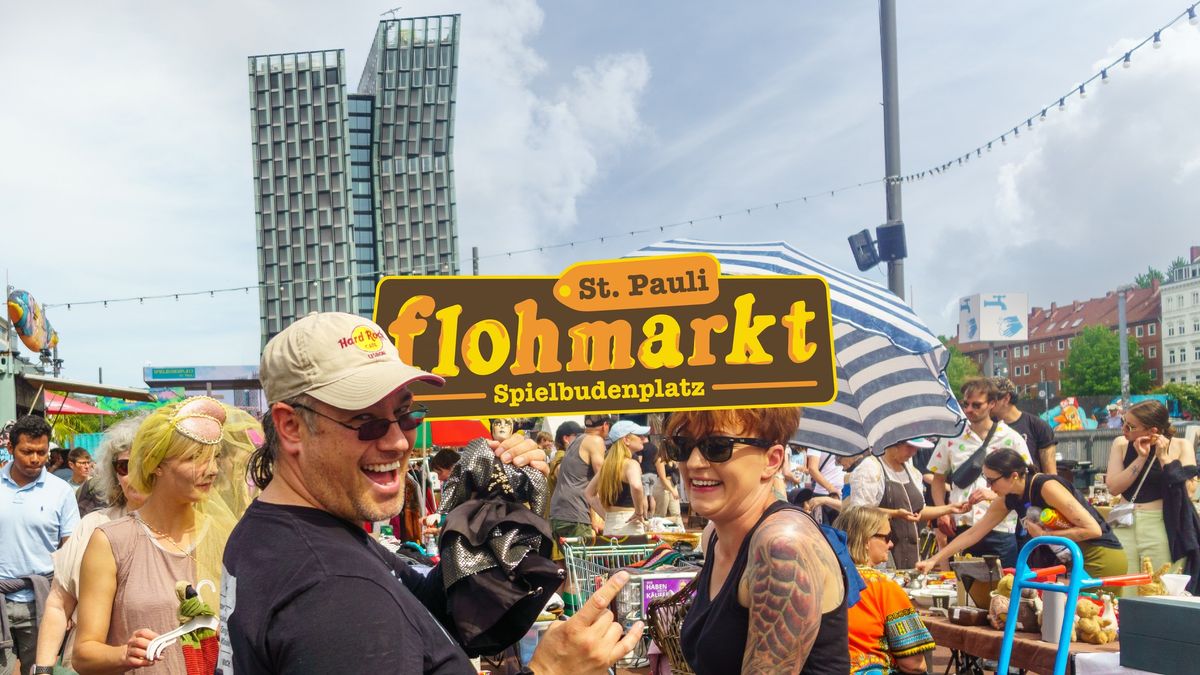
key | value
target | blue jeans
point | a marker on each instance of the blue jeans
(1000, 544)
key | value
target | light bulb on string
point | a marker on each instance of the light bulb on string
(1003, 140)
(1029, 123)
(1128, 60)
(989, 146)
(1192, 18)
(1062, 104)
(1104, 76)
(1082, 92)
(1016, 132)
(1043, 113)
(1157, 44)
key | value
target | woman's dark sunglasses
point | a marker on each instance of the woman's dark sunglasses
(377, 428)
(121, 466)
(715, 449)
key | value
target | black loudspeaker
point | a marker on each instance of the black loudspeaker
(864, 250)
(890, 239)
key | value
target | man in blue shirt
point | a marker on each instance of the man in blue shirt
(37, 514)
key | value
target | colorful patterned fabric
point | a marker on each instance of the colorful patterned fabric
(884, 625)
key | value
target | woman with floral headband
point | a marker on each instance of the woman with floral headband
(190, 459)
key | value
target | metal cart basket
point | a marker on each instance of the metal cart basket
(591, 560)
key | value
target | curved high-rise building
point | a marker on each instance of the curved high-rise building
(352, 186)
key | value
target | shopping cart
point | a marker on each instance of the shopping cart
(591, 560)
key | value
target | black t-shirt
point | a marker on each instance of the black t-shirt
(1037, 434)
(306, 592)
(649, 452)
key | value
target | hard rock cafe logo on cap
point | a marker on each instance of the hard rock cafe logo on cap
(365, 338)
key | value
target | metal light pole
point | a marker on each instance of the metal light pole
(891, 140)
(1123, 336)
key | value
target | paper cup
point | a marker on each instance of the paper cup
(1176, 584)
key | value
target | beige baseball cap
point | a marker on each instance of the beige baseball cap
(340, 359)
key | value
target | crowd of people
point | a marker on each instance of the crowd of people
(264, 519)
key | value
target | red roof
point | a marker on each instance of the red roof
(61, 405)
(1141, 305)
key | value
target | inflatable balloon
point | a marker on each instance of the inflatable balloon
(29, 320)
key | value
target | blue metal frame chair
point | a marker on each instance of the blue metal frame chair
(1024, 578)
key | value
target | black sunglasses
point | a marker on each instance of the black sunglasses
(715, 449)
(121, 466)
(377, 428)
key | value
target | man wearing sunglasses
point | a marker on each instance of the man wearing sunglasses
(978, 398)
(305, 589)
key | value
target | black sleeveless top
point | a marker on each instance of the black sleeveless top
(1155, 485)
(1033, 496)
(715, 631)
(625, 498)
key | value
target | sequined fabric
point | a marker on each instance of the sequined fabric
(495, 564)
(480, 475)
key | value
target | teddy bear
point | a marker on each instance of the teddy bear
(1089, 627)
(1028, 608)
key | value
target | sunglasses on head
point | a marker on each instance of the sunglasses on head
(121, 466)
(374, 429)
(713, 448)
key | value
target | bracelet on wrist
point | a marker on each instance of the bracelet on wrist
(43, 670)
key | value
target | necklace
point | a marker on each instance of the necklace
(164, 535)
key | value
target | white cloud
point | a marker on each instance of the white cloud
(1095, 194)
(524, 158)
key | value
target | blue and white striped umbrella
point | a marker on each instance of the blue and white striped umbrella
(890, 368)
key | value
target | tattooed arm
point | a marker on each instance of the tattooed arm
(792, 577)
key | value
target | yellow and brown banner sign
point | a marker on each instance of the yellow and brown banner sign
(629, 335)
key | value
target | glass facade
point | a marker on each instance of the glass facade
(349, 187)
(415, 67)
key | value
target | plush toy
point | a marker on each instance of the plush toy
(1156, 586)
(1089, 627)
(1028, 607)
(998, 606)
(1004, 586)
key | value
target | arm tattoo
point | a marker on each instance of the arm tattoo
(785, 577)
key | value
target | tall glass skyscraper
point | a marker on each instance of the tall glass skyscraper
(349, 187)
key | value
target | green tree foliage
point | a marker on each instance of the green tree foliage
(1147, 280)
(1188, 396)
(1094, 366)
(960, 368)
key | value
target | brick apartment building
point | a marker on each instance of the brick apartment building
(1052, 333)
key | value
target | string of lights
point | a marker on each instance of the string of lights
(1104, 75)
(1154, 40)
(466, 262)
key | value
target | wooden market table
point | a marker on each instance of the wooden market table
(969, 644)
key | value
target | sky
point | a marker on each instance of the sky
(127, 167)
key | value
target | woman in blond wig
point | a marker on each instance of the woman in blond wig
(189, 459)
(616, 491)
